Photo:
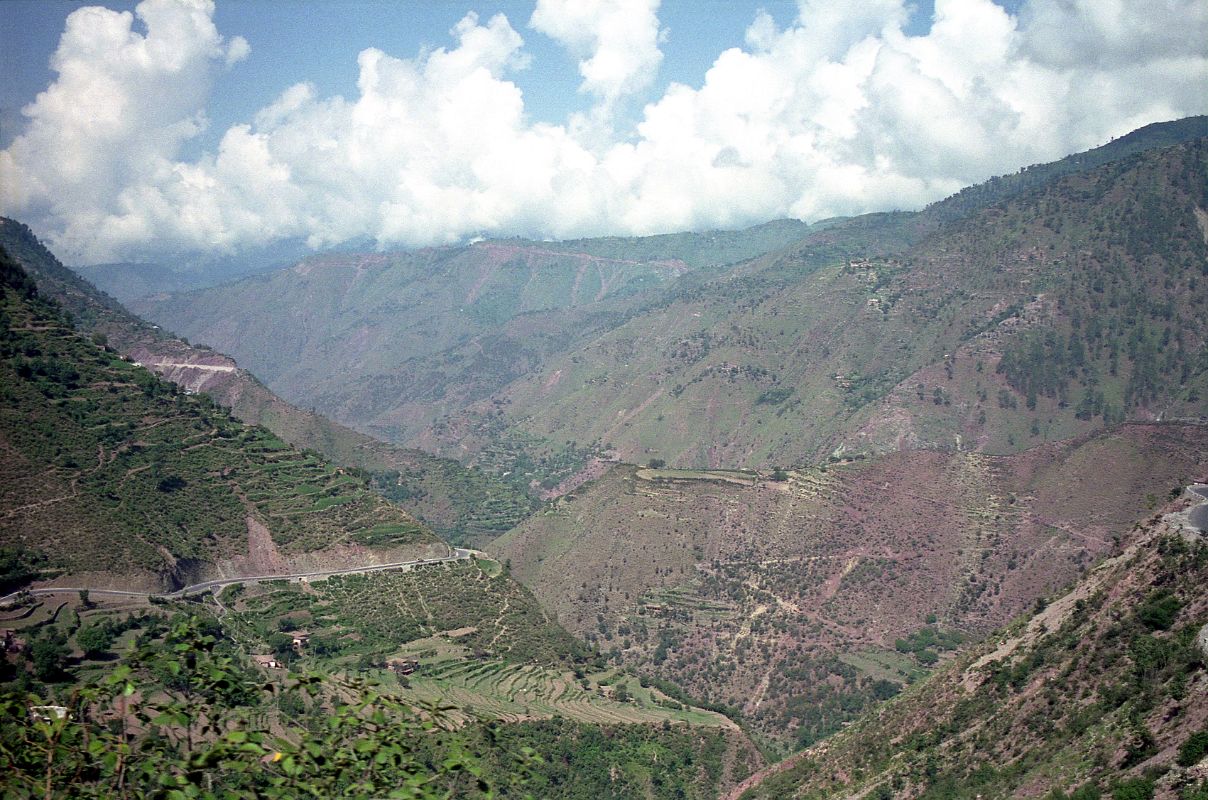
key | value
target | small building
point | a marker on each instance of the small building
(267, 662)
(300, 639)
(402, 666)
(47, 713)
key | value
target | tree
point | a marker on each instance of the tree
(95, 639)
(48, 654)
(206, 736)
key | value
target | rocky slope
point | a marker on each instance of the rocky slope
(1104, 689)
(790, 599)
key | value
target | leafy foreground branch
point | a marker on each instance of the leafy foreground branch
(179, 719)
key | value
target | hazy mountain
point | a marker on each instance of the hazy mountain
(1001, 318)
(131, 280)
(406, 337)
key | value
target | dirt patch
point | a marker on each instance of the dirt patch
(591, 470)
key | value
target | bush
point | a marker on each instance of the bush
(1159, 610)
(95, 639)
(1193, 749)
(1135, 789)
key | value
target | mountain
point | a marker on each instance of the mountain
(116, 478)
(1150, 137)
(1101, 690)
(464, 506)
(803, 597)
(1006, 316)
(1063, 310)
(407, 337)
(128, 281)
(113, 478)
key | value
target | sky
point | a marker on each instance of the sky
(165, 128)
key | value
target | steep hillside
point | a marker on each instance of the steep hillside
(1068, 308)
(1104, 690)
(462, 505)
(1004, 187)
(800, 601)
(110, 473)
(1001, 318)
(699, 250)
(407, 337)
(471, 693)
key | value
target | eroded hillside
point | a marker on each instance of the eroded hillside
(1102, 691)
(801, 601)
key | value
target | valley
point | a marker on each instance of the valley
(1040, 307)
(888, 505)
(793, 600)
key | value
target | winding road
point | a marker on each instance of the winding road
(458, 554)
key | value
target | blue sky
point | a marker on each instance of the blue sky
(185, 126)
(284, 49)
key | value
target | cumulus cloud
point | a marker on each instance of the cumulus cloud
(100, 141)
(618, 41)
(840, 112)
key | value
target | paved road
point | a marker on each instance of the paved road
(458, 554)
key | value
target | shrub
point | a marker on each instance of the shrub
(1159, 610)
(1193, 749)
(1135, 789)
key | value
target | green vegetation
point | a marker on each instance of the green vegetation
(111, 469)
(924, 643)
(1112, 682)
(184, 712)
(1192, 751)
(367, 618)
(486, 505)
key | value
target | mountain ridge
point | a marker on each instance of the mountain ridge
(814, 323)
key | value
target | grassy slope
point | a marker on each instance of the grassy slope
(809, 349)
(461, 505)
(786, 599)
(1102, 688)
(108, 469)
(535, 349)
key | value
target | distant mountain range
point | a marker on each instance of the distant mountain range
(1034, 308)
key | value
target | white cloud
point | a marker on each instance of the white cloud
(618, 41)
(841, 112)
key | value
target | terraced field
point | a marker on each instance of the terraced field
(476, 640)
(110, 472)
(759, 596)
(518, 692)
